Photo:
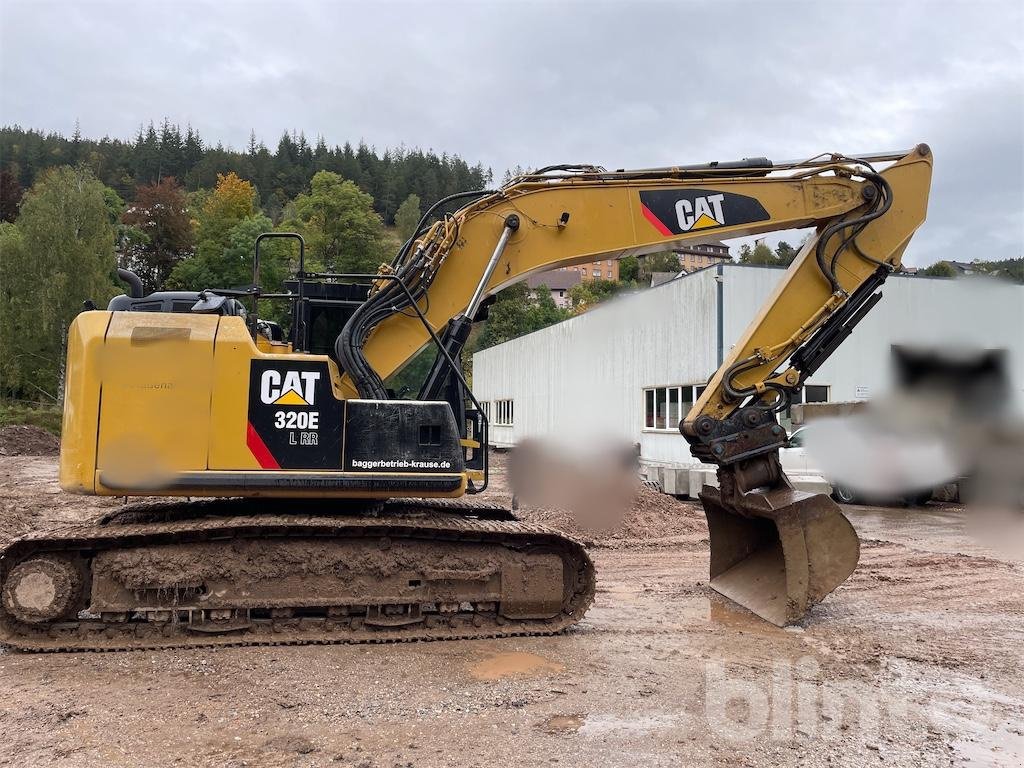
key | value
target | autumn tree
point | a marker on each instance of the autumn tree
(59, 253)
(232, 200)
(222, 212)
(408, 216)
(160, 212)
(342, 231)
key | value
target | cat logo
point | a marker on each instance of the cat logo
(288, 387)
(700, 213)
(678, 211)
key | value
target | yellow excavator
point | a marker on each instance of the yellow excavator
(345, 522)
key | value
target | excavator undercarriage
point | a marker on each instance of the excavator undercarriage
(240, 572)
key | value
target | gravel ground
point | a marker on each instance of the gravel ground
(914, 661)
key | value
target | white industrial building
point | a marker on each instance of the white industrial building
(630, 368)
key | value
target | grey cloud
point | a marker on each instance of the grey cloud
(624, 84)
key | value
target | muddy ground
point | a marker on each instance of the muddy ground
(916, 660)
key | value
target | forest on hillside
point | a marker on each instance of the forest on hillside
(158, 152)
(183, 215)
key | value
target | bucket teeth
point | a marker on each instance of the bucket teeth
(778, 552)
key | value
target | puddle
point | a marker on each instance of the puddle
(595, 725)
(514, 663)
(603, 725)
(557, 724)
(1002, 747)
(981, 723)
(731, 616)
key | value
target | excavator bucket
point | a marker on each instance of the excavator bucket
(778, 552)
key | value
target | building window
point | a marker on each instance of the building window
(665, 407)
(597, 273)
(485, 408)
(583, 270)
(816, 393)
(503, 413)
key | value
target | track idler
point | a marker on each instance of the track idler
(775, 550)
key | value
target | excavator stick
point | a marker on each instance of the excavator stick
(779, 551)
(774, 550)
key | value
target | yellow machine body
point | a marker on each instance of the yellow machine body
(159, 404)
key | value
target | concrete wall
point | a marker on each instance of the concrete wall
(585, 376)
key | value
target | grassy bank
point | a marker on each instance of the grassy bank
(37, 415)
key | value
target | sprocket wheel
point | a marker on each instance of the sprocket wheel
(42, 589)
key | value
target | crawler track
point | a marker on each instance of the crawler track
(449, 559)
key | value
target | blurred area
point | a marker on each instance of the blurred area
(596, 484)
(951, 416)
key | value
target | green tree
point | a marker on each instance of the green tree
(629, 269)
(406, 383)
(59, 253)
(231, 266)
(508, 317)
(168, 151)
(759, 254)
(1008, 269)
(784, 253)
(408, 216)
(588, 293)
(518, 311)
(342, 231)
(938, 269)
(662, 261)
(10, 195)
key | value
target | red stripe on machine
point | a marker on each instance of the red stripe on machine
(649, 215)
(259, 448)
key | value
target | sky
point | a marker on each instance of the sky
(618, 84)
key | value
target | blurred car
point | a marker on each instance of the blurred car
(795, 460)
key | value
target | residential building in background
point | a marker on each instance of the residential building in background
(701, 253)
(606, 269)
(558, 282)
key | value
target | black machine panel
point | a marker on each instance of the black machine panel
(401, 436)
